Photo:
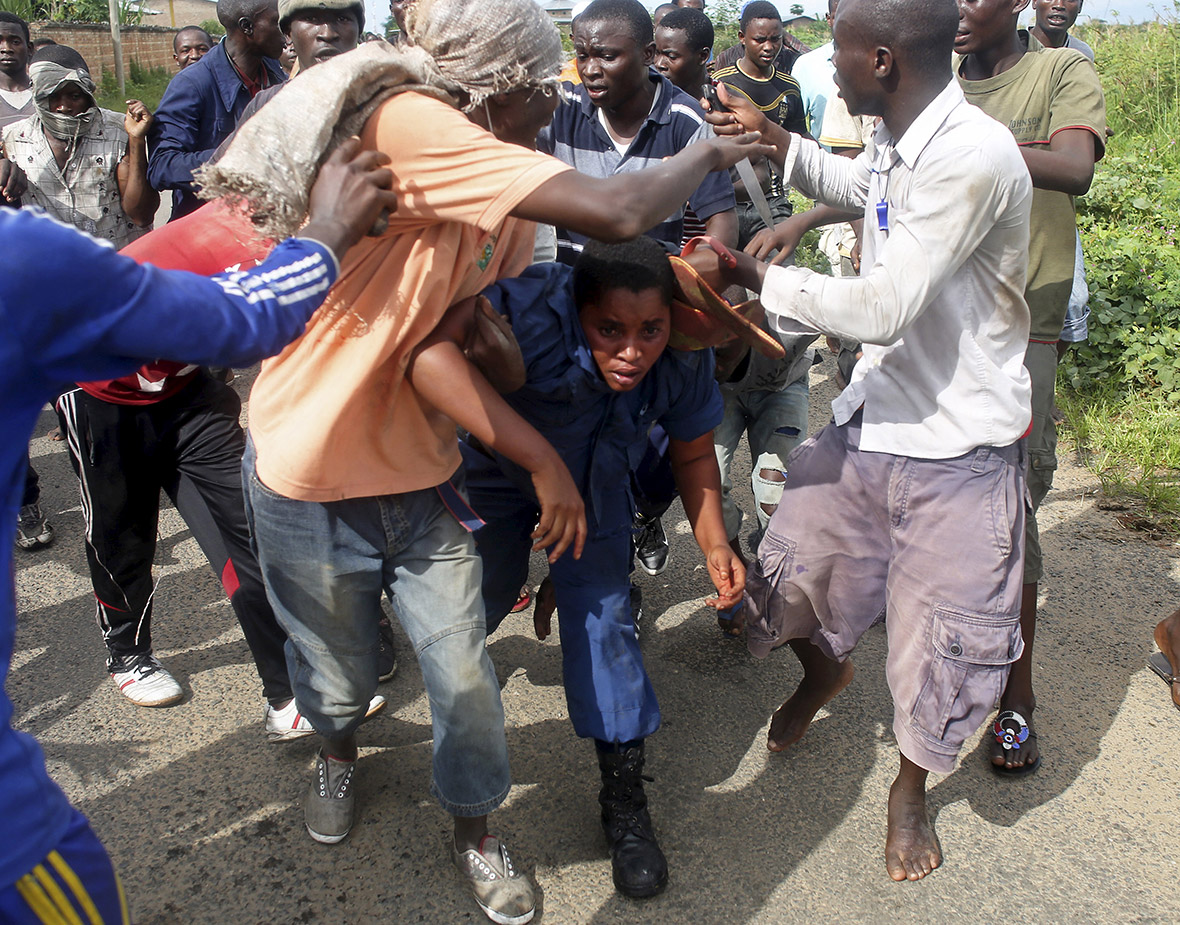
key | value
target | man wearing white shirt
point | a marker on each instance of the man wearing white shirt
(909, 505)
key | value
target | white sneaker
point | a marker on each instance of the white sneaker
(289, 723)
(144, 681)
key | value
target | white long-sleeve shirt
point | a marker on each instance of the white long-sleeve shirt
(939, 305)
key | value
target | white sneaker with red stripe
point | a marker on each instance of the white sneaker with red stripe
(289, 723)
(144, 681)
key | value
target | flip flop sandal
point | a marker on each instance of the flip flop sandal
(1160, 665)
(523, 600)
(1011, 730)
(701, 318)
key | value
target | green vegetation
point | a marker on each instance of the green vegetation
(1120, 391)
(71, 10)
(144, 84)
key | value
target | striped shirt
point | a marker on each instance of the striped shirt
(577, 137)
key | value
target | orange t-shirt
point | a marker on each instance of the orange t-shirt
(332, 416)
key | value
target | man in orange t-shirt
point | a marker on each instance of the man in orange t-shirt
(353, 481)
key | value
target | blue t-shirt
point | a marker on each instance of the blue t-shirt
(577, 137)
(72, 309)
(600, 434)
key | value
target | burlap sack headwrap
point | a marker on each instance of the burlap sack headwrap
(488, 48)
(484, 47)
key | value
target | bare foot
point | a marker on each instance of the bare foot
(1167, 637)
(911, 847)
(823, 679)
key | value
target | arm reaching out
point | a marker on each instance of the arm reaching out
(694, 465)
(442, 375)
(626, 205)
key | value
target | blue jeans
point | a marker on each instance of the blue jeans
(325, 566)
(776, 423)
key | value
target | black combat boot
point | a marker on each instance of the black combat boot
(638, 864)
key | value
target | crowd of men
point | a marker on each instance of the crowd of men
(489, 373)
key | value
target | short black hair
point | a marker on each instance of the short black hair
(15, 20)
(181, 31)
(668, 6)
(42, 41)
(630, 13)
(61, 54)
(635, 265)
(230, 12)
(695, 25)
(922, 30)
(759, 9)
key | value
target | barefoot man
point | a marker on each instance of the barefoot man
(909, 505)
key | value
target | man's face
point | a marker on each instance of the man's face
(519, 116)
(691, 4)
(318, 35)
(1056, 17)
(189, 47)
(763, 40)
(854, 58)
(627, 331)
(267, 37)
(611, 64)
(14, 50)
(679, 63)
(69, 100)
(397, 9)
(985, 24)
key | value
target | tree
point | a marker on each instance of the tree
(796, 9)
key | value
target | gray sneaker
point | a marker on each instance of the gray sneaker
(328, 809)
(503, 892)
(32, 529)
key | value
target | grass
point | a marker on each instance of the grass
(1127, 435)
(1130, 442)
(144, 84)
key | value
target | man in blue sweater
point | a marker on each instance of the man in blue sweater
(125, 314)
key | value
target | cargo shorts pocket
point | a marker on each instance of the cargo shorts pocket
(764, 590)
(970, 653)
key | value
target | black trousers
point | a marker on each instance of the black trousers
(190, 445)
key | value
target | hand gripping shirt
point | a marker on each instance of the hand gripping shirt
(600, 434)
(939, 305)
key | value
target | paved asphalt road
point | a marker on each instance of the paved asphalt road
(203, 816)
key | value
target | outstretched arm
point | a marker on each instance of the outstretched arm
(628, 204)
(441, 374)
(694, 465)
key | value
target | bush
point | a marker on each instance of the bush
(1129, 220)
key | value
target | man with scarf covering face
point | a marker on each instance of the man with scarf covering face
(86, 166)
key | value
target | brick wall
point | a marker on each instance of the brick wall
(151, 46)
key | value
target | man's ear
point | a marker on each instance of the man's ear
(703, 55)
(1019, 6)
(649, 53)
(246, 26)
(883, 62)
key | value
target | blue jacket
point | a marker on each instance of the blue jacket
(71, 309)
(198, 112)
(600, 434)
